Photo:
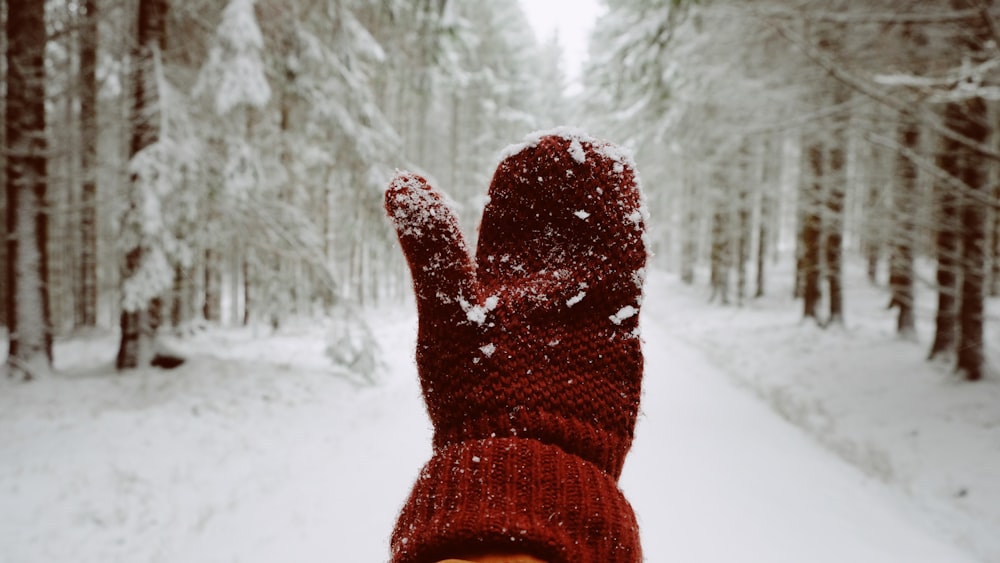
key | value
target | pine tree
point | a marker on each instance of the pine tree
(901, 259)
(29, 322)
(146, 272)
(969, 118)
(86, 293)
(947, 249)
(233, 78)
(811, 232)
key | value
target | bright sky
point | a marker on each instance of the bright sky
(573, 19)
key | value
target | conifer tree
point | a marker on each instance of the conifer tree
(146, 274)
(29, 323)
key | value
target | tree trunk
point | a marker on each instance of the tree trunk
(212, 309)
(247, 289)
(872, 218)
(871, 164)
(4, 301)
(947, 254)
(834, 230)
(178, 298)
(743, 243)
(86, 298)
(30, 326)
(798, 287)
(994, 233)
(720, 253)
(812, 224)
(690, 232)
(904, 233)
(762, 248)
(138, 325)
(969, 118)
(993, 214)
(771, 180)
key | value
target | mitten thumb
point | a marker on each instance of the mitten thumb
(443, 275)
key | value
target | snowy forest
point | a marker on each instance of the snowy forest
(199, 179)
(223, 162)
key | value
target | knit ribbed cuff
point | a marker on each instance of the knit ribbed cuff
(508, 495)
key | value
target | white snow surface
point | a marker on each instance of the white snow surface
(626, 312)
(760, 440)
(576, 136)
(576, 151)
(477, 313)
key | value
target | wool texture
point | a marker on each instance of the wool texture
(529, 356)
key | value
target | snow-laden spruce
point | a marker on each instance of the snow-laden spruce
(234, 74)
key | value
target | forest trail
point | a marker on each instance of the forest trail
(715, 476)
(268, 458)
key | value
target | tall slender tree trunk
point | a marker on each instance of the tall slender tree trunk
(770, 181)
(762, 243)
(743, 242)
(947, 243)
(872, 218)
(970, 313)
(798, 287)
(212, 309)
(721, 251)
(138, 324)
(812, 229)
(869, 165)
(834, 229)
(4, 302)
(29, 322)
(178, 298)
(994, 234)
(969, 118)
(835, 194)
(904, 203)
(992, 214)
(690, 231)
(248, 304)
(86, 298)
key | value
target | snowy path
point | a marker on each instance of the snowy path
(716, 476)
(262, 456)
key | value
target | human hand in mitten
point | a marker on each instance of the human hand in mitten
(529, 355)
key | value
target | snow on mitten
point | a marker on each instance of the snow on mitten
(529, 357)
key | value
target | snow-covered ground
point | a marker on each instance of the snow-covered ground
(761, 439)
(866, 395)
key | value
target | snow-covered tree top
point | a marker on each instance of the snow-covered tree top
(234, 69)
(239, 29)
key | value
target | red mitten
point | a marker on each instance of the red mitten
(529, 358)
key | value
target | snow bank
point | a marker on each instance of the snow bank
(256, 451)
(253, 451)
(864, 394)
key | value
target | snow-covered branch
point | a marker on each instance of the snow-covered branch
(870, 89)
(974, 192)
(857, 16)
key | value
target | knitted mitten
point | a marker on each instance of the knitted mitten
(529, 357)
